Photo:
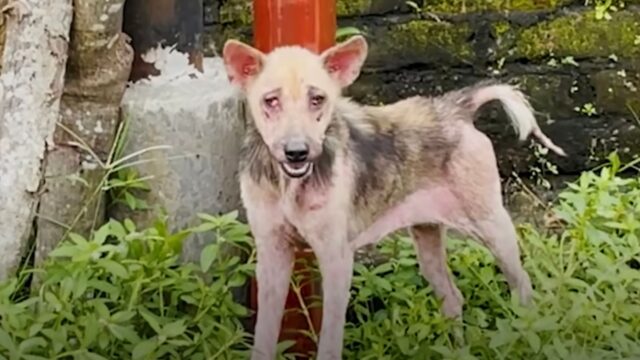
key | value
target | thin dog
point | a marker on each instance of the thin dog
(319, 168)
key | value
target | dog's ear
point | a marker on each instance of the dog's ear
(242, 62)
(344, 61)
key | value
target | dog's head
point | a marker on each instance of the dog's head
(291, 93)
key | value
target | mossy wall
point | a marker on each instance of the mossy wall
(581, 73)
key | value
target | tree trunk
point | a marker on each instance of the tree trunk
(33, 68)
(99, 65)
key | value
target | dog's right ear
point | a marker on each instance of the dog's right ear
(242, 62)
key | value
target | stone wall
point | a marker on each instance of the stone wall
(581, 73)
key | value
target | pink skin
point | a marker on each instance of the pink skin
(320, 216)
(467, 198)
(469, 202)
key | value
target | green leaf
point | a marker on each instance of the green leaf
(347, 32)
(53, 300)
(285, 345)
(129, 225)
(413, 5)
(503, 337)
(101, 234)
(383, 283)
(207, 256)
(144, 349)
(237, 279)
(547, 323)
(122, 316)
(117, 229)
(77, 239)
(534, 340)
(151, 319)
(6, 342)
(204, 227)
(91, 330)
(33, 357)
(94, 356)
(66, 251)
(30, 344)
(174, 329)
(130, 200)
(114, 268)
(404, 345)
(126, 333)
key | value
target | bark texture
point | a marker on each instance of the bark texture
(33, 68)
(99, 64)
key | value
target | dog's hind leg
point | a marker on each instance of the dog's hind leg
(430, 247)
(498, 234)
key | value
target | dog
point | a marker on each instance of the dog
(319, 168)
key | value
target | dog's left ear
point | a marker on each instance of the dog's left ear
(242, 62)
(344, 61)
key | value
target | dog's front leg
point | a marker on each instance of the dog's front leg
(273, 273)
(335, 259)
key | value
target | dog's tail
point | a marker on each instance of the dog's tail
(518, 110)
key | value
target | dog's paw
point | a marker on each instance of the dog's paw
(524, 291)
(452, 307)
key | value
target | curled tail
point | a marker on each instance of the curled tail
(518, 110)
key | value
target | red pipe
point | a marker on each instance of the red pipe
(311, 24)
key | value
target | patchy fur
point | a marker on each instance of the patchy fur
(362, 172)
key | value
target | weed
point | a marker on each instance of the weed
(123, 294)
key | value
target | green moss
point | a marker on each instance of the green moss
(581, 36)
(236, 11)
(461, 6)
(352, 7)
(616, 91)
(214, 40)
(549, 93)
(426, 36)
(500, 28)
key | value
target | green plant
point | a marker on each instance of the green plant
(344, 33)
(603, 8)
(588, 109)
(118, 177)
(542, 166)
(123, 294)
(123, 183)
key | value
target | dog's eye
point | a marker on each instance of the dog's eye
(317, 101)
(272, 102)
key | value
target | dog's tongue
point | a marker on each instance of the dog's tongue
(297, 166)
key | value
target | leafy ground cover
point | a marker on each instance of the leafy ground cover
(124, 294)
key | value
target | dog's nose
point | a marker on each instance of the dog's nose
(296, 151)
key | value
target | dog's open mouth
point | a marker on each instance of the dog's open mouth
(297, 170)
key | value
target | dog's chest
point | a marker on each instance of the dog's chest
(304, 199)
(306, 207)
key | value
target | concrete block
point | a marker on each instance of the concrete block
(197, 116)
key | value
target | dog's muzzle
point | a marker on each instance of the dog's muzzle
(297, 162)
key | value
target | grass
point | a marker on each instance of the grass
(122, 293)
